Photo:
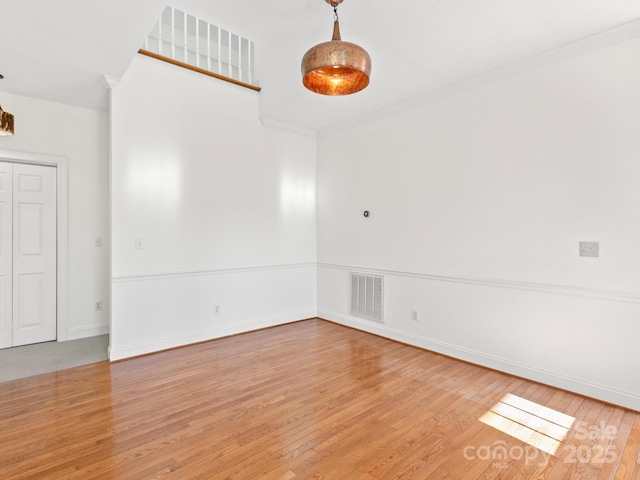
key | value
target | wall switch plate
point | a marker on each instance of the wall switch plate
(98, 241)
(589, 249)
(415, 315)
(139, 243)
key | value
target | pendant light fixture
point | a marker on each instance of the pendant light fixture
(6, 121)
(336, 67)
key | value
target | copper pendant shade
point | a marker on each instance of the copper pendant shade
(336, 67)
(6, 121)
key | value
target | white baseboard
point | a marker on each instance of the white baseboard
(87, 331)
(234, 329)
(555, 379)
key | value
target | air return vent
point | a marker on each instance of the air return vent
(366, 296)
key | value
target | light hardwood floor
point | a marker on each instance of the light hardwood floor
(309, 400)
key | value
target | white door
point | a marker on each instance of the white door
(34, 254)
(6, 254)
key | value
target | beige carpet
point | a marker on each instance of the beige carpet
(29, 360)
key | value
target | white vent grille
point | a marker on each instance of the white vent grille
(366, 296)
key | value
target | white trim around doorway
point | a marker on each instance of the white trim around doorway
(62, 226)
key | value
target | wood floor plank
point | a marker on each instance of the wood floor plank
(628, 462)
(306, 400)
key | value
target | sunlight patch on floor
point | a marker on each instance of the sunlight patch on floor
(537, 425)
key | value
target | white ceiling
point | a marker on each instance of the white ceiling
(59, 50)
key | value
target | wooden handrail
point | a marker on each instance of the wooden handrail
(197, 69)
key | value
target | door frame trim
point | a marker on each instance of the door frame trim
(62, 227)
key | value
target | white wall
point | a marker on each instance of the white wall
(478, 202)
(81, 136)
(225, 207)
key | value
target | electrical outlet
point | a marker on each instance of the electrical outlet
(415, 315)
(98, 241)
(589, 249)
(99, 305)
(216, 309)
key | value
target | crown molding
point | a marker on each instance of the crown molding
(288, 127)
(615, 35)
(110, 82)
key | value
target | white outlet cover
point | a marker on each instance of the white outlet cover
(589, 249)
